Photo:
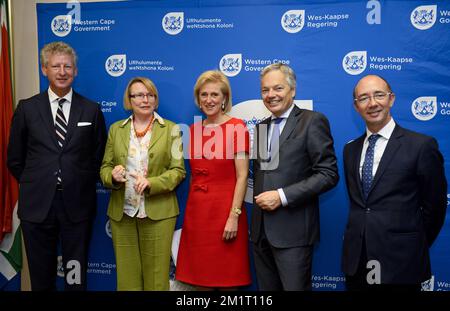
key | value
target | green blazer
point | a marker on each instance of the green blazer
(165, 170)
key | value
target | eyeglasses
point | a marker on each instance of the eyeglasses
(378, 97)
(141, 96)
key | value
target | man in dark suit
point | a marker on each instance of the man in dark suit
(397, 190)
(55, 150)
(294, 164)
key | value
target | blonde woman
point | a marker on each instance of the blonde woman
(142, 172)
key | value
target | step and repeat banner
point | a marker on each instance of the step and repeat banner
(330, 45)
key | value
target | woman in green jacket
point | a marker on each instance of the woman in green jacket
(142, 165)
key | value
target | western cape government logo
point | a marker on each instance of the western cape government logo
(294, 21)
(62, 25)
(116, 65)
(173, 22)
(355, 62)
(424, 108)
(231, 64)
(425, 16)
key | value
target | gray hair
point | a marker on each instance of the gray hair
(288, 73)
(57, 47)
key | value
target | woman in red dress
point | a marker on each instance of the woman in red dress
(213, 252)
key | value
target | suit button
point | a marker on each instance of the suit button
(150, 155)
(367, 210)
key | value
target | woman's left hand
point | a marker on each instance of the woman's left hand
(140, 183)
(231, 228)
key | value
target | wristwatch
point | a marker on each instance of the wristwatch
(236, 211)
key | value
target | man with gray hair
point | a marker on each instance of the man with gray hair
(299, 166)
(55, 149)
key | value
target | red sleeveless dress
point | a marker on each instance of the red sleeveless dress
(204, 259)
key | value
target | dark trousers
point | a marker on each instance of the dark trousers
(358, 282)
(279, 269)
(41, 244)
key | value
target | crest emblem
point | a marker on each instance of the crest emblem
(423, 17)
(424, 108)
(116, 65)
(293, 20)
(355, 62)
(173, 22)
(231, 64)
(108, 229)
(428, 285)
(62, 25)
(60, 267)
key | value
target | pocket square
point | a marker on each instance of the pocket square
(84, 123)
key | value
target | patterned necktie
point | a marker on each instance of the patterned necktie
(367, 168)
(61, 130)
(60, 123)
(275, 138)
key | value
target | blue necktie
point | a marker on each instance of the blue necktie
(367, 168)
(275, 138)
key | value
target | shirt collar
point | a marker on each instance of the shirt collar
(285, 114)
(155, 114)
(53, 97)
(386, 131)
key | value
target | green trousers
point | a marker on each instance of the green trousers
(142, 248)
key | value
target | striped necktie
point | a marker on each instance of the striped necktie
(61, 131)
(60, 123)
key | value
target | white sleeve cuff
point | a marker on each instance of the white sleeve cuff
(284, 201)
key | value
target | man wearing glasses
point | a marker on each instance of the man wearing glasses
(397, 189)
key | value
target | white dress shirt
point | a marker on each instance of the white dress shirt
(380, 145)
(53, 98)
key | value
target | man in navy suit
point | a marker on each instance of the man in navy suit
(55, 150)
(398, 197)
(300, 166)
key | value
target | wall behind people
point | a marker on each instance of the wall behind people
(329, 45)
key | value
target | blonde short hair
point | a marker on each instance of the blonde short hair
(57, 47)
(214, 76)
(149, 85)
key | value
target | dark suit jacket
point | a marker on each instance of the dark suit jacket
(306, 168)
(405, 208)
(34, 157)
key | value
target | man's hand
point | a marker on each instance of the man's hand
(269, 200)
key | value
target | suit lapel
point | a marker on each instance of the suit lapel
(46, 115)
(291, 123)
(262, 137)
(356, 160)
(391, 149)
(157, 131)
(124, 134)
(74, 116)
